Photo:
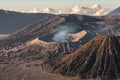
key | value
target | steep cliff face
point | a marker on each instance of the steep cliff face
(99, 58)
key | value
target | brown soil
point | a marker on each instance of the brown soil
(99, 58)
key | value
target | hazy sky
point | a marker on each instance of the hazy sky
(59, 4)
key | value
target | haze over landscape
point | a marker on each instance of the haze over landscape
(93, 7)
(59, 40)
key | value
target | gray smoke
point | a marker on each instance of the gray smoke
(61, 35)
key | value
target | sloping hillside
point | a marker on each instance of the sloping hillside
(11, 21)
(99, 58)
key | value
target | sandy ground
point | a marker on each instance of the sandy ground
(26, 71)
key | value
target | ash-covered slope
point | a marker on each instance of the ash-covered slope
(99, 58)
(10, 21)
(30, 32)
(47, 28)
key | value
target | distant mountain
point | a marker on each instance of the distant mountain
(11, 21)
(56, 28)
(51, 29)
(99, 58)
(53, 39)
(115, 12)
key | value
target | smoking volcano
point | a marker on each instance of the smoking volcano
(99, 58)
(46, 42)
(64, 29)
(53, 29)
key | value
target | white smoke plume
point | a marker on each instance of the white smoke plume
(63, 30)
(60, 36)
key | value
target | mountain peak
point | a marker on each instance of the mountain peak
(97, 58)
(115, 12)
